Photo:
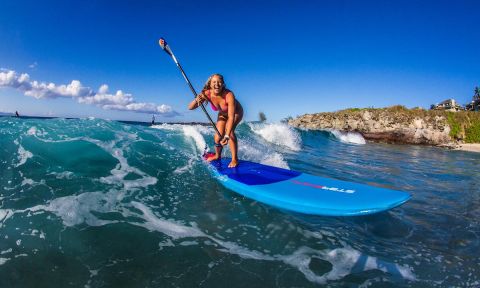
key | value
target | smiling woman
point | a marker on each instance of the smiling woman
(230, 113)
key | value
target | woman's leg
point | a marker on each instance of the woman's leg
(218, 148)
(234, 142)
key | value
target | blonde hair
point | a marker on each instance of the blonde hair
(207, 84)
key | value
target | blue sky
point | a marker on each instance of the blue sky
(285, 58)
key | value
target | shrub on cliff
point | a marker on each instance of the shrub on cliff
(473, 133)
(464, 125)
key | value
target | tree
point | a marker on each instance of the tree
(262, 117)
(476, 96)
(286, 119)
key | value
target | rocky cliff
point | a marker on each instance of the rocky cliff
(392, 125)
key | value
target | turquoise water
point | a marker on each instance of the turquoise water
(96, 203)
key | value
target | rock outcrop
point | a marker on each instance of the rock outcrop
(392, 125)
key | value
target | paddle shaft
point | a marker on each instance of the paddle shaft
(167, 49)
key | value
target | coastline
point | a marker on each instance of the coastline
(470, 147)
(400, 125)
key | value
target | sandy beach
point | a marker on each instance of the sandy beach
(475, 147)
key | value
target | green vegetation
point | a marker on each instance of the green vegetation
(455, 126)
(464, 125)
(286, 119)
(473, 133)
(353, 109)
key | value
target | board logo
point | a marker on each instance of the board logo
(335, 189)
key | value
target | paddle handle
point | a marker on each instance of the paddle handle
(169, 51)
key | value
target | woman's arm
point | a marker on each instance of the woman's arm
(197, 101)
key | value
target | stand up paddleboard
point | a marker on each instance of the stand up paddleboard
(295, 191)
(304, 193)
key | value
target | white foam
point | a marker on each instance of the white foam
(211, 216)
(4, 215)
(253, 153)
(3, 260)
(33, 131)
(188, 243)
(172, 229)
(23, 155)
(122, 169)
(185, 168)
(77, 209)
(247, 151)
(63, 175)
(344, 260)
(27, 181)
(349, 137)
(279, 134)
(276, 160)
(179, 127)
(193, 132)
(165, 126)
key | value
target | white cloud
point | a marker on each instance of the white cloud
(40, 90)
(85, 95)
(11, 79)
(33, 65)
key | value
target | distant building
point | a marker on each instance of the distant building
(448, 105)
(473, 106)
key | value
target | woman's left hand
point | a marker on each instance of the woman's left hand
(224, 140)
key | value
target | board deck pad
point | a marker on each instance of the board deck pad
(304, 193)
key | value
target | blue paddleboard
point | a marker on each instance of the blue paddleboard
(304, 193)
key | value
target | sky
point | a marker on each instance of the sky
(284, 58)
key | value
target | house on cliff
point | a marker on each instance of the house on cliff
(473, 106)
(448, 105)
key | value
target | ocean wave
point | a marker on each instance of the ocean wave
(279, 134)
(348, 137)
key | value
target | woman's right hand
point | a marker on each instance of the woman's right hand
(197, 101)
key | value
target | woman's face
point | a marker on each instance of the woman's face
(216, 84)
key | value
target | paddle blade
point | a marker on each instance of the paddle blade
(165, 46)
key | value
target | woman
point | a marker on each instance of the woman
(230, 113)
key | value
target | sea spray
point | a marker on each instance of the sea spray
(348, 137)
(279, 134)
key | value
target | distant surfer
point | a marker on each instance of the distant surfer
(153, 119)
(16, 114)
(230, 113)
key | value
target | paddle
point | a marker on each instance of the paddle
(167, 49)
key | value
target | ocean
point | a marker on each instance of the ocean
(98, 203)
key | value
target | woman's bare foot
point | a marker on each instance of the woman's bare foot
(233, 164)
(213, 158)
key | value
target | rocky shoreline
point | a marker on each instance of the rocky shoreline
(389, 125)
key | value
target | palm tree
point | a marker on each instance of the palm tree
(476, 96)
(262, 117)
